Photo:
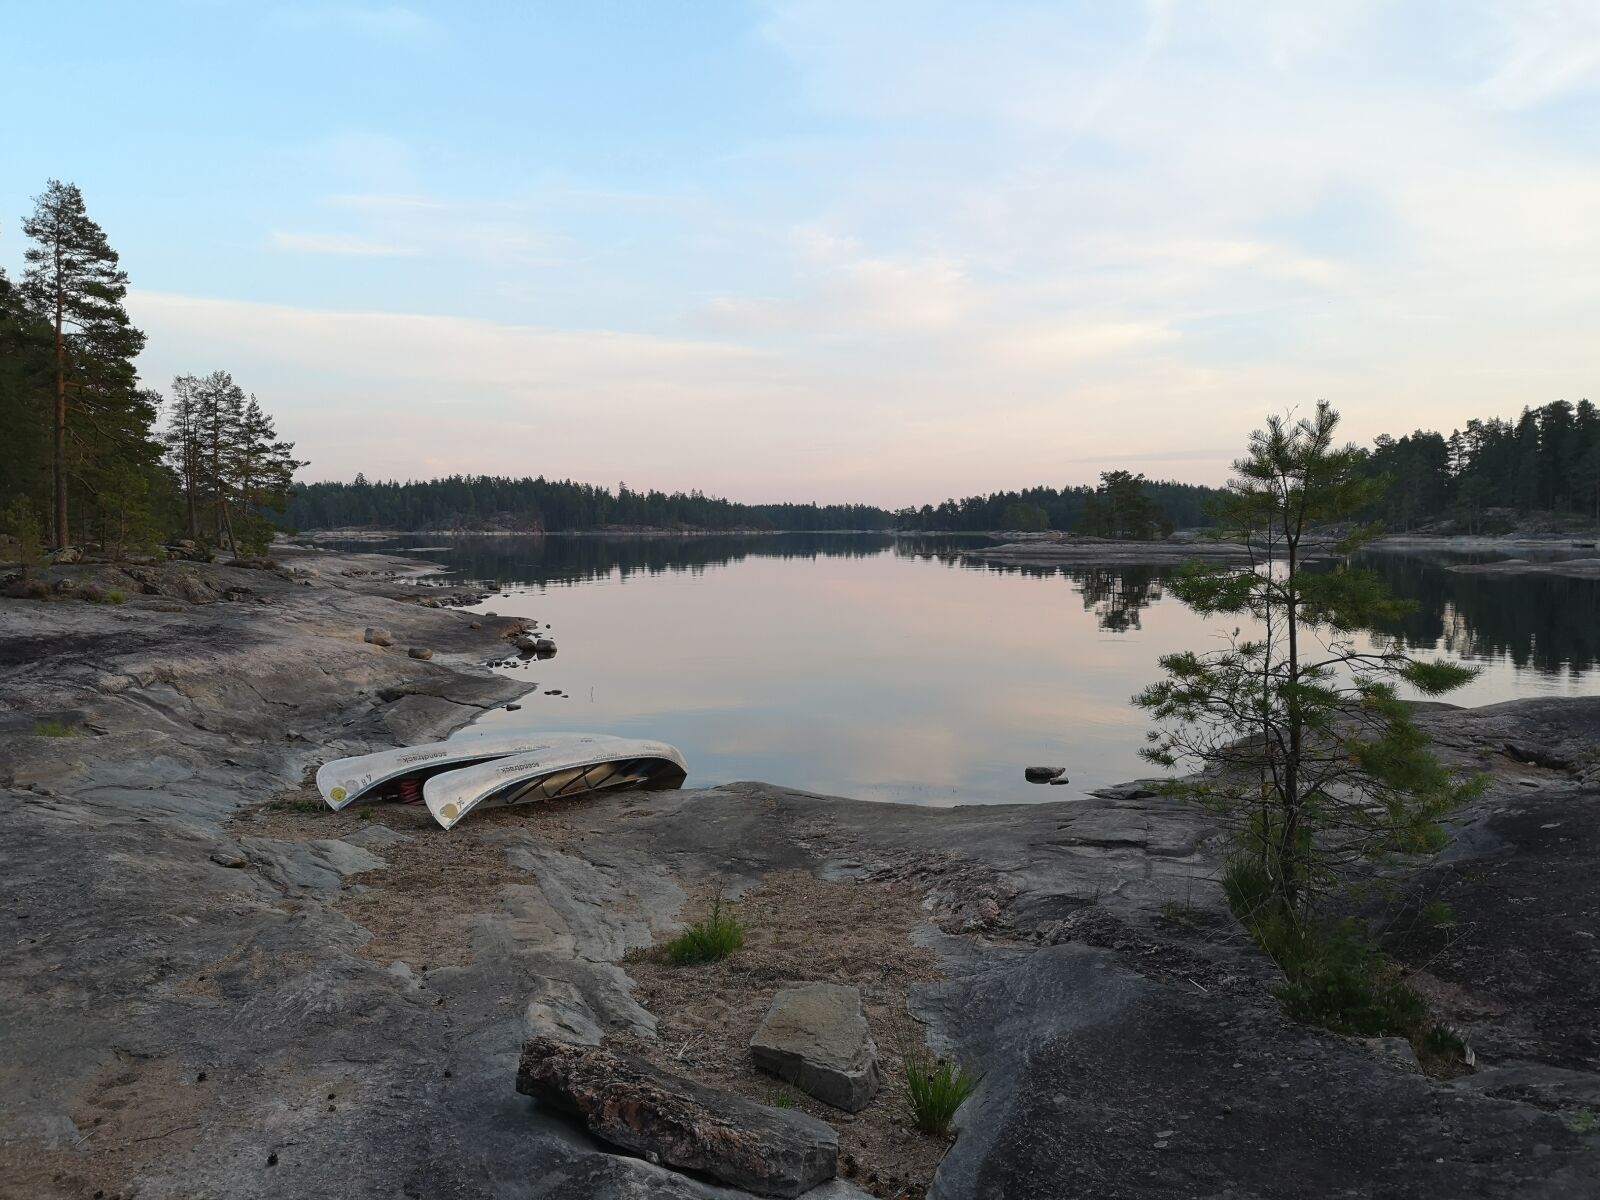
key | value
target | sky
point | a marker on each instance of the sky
(825, 249)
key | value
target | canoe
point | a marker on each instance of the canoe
(346, 780)
(571, 766)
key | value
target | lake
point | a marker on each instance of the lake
(896, 669)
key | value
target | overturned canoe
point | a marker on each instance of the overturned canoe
(401, 771)
(569, 766)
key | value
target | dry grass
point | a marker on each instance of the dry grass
(800, 929)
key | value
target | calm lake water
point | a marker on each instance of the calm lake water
(866, 666)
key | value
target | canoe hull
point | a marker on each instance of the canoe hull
(596, 764)
(367, 776)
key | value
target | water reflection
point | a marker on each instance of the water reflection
(898, 669)
(1547, 623)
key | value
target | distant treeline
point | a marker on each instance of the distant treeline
(1081, 509)
(1546, 461)
(553, 506)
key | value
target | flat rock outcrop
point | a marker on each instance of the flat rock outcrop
(673, 1120)
(232, 991)
(816, 1037)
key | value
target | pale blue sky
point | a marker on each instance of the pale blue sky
(831, 248)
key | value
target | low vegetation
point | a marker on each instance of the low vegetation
(298, 805)
(1308, 747)
(56, 729)
(937, 1088)
(710, 940)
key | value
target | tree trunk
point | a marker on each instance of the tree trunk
(59, 456)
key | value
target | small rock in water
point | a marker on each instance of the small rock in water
(513, 707)
(1059, 782)
(1043, 774)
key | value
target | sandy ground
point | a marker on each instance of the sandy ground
(802, 929)
(419, 909)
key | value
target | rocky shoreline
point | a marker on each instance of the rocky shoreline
(220, 988)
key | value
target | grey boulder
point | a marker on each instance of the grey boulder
(378, 636)
(816, 1037)
(678, 1122)
(1043, 774)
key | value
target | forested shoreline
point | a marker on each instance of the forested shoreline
(1123, 505)
(84, 460)
(1481, 477)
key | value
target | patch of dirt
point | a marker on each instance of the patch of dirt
(135, 1111)
(418, 908)
(799, 929)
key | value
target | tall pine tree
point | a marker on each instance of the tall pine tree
(101, 421)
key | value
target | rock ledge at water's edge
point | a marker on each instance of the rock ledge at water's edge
(219, 998)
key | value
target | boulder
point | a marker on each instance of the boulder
(1043, 774)
(378, 636)
(816, 1037)
(421, 652)
(678, 1122)
(66, 555)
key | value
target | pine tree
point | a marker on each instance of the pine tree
(1303, 738)
(25, 420)
(73, 282)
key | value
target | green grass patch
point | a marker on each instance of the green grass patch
(937, 1089)
(298, 805)
(780, 1097)
(1580, 1120)
(54, 729)
(711, 940)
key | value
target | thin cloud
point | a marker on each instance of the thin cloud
(338, 244)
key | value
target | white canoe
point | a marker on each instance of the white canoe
(345, 780)
(569, 766)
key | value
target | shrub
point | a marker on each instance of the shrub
(1364, 997)
(54, 729)
(937, 1089)
(711, 940)
(114, 597)
(1333, 978)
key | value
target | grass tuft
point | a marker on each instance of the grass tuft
(1580, 1120)
(937, 1089)
(711, 940)
(298, 805)
(54, 729)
